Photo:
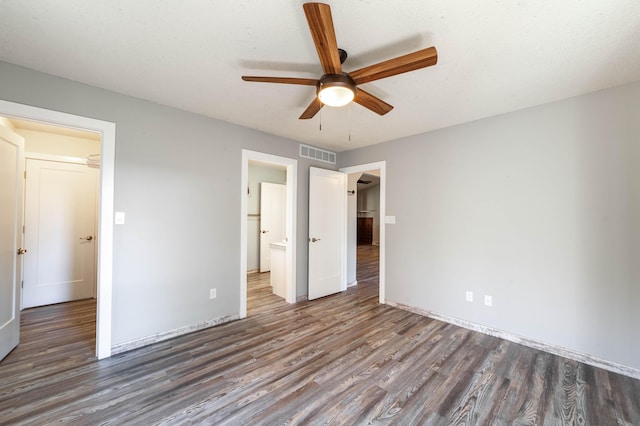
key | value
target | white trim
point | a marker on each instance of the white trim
(382, 166)
(105, 241)
(166, 335)
(531, 343)
(56, 158)
(291, 222)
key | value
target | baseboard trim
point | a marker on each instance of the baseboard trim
(144, 341)
(532, 343)
(353, 283)
(302, 298)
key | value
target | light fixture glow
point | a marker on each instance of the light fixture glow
(335, 96)
(336, 90)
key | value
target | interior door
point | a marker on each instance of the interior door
(11, 184)
(273, 198)
(60, 230)
(327, 232)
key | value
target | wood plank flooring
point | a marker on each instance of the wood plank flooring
(343, 359)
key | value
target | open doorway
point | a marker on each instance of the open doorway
(365, 225)
(106, 131)
(266, 170)
(60, 213)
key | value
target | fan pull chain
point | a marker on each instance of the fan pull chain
(349, 122)
(320, 129)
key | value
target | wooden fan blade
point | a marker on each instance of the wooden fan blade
(371, 102)
(312, 109)
(410, 62)
(284, 80)
(324, 36)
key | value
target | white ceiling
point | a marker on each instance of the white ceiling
(495, 56)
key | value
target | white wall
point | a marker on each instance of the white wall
(258, 173)
(177, 178)
(539, 208)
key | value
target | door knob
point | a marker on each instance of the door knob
(88, 238)
(21, 251)
(313, 240)
(264, 231)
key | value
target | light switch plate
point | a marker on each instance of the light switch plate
(119, 217)
(390, 219)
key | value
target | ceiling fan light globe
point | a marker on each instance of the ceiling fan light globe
(335, 96)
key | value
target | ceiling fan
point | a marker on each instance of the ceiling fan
(336, 87)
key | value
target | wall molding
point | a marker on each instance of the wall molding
(531, 343)
(166, 335)
(56, 158)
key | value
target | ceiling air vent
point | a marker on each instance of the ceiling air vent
(317, 154)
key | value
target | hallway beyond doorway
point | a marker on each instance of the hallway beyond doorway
(368, 264)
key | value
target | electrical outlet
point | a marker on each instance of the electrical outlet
(119, 218)
(212, 293)
(469, 296)
(488, 300)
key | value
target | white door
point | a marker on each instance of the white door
(273, 198)
(11, 181)
(60, 231)
(327, 232)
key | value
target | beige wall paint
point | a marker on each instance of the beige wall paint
(54, 144)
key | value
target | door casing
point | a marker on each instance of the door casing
(382, 166)
(107, 133)
(291, 230)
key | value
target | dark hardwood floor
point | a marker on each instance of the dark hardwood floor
(343, 359)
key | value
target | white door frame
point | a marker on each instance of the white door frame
(382, 166)
(107, 132)
(290, 227)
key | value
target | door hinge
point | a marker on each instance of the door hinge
(21, 284)
(25, 174)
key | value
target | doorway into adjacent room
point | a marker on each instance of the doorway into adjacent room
(266, 235)
(368, 227)
(268, 230)
(61, 186)
(365, 227)
(102, 234)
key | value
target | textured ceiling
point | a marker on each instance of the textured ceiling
(495, 56)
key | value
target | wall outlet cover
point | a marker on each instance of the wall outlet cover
(119, 218)
(469, 296)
